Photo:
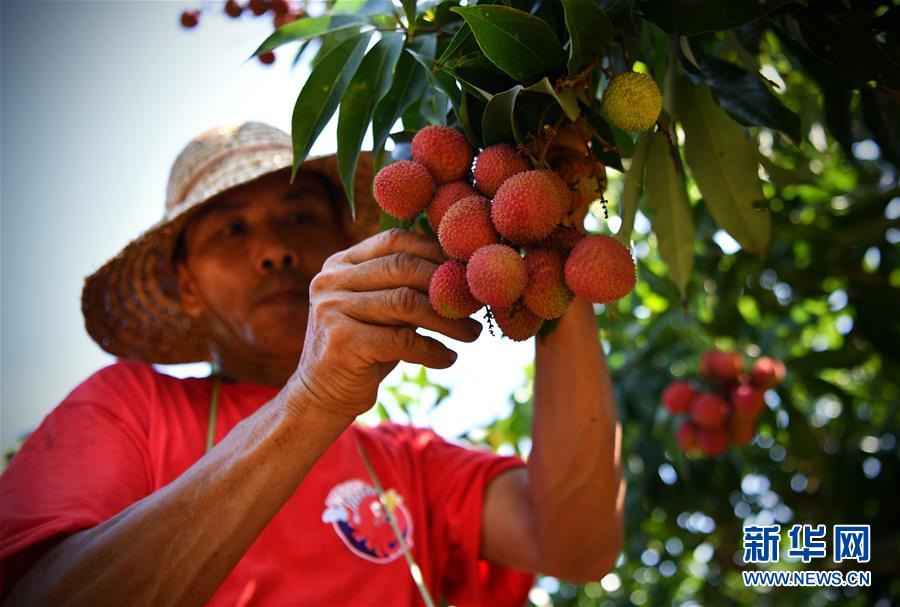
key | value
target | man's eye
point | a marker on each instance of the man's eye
(302, 218)
(233, 228)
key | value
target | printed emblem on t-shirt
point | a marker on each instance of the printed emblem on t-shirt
(359, 519)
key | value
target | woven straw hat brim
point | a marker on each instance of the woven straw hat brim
(131, 305)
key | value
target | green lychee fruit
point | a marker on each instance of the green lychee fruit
(632, 101)
(496, 275)
(546, 293)
(403, 188)
(449, 292)
(466, 227)
(444, 150)
(600, 269)
(495, 164)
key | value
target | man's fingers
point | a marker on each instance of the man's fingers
(403, 343)
(395, 240)
(407, 306)
(390, 271)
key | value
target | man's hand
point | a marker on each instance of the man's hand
(365, 306)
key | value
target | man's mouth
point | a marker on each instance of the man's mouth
(291, 297)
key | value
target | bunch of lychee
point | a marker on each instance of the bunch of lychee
(727, 410)
(513, 233)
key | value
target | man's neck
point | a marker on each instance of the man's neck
(273, 372)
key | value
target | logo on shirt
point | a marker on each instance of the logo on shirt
(360, 520)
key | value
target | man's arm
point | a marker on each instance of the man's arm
(562, 515)
(177, 545)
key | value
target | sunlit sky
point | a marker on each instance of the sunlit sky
(98, 98)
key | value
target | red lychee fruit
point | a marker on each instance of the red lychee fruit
(713, 441)
(747, 401)
(563, 239)
(446, 196)
(449, 292)
(708, 410)
(677, 397)
(586, 178)
(466, 227)
(444, 150)
(767, 373)
(721, 365)
(546, 293)
(741, 430)
(258, 7)
(527, 207)
(568, 139)
(600, 269)
(233, 9)
(517, 322)
(267, 58)
(403, 188)
(687, 437)
(190, 18)
(281, 7)
(566, 196)
(496, 275)
(495, 164)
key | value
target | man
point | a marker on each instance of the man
(254, 486)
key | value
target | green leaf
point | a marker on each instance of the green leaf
(590, 30)
(689, 17)
(442, 80)
(517, 42)
(304, 29)
(671, 209)
(565, 98)
(409, 7)
(370, 83)
(724, 165)
(322, 92)
(631, 188)
(498, 123)
(463, 34)
(408, 85)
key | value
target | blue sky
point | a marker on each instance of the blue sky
(97, 100)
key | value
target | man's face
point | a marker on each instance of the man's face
(249, 260)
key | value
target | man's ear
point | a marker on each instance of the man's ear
(188, 291)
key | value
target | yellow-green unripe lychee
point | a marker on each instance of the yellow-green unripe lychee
(600, 269)
(449, 292)
(546, 294)
(496, 275)
(466, 227)
(403, 188)
(517, 322)
(495, 164)
(632, 101)
(446, 196)
(445, 151)
(528, 206)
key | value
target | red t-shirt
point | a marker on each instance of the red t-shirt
(129, 430)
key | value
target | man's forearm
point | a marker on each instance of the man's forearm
(574, 474)
(177, 545)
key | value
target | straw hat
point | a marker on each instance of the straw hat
(131, 304)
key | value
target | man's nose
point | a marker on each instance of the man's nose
(275, 253)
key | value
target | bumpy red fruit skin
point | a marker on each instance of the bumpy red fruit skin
(721, 365)
(445, 197)
(600, 269)
(767, 373)
(496, 275)
(527, 207)
(586, 178)
(747, 401)
(466, 227)
(403, 188)
(708, 410)
(449, 292)
(687, 437)
(563, 239)
(713, 441)
(677, 397)
(444, 150)
(546, 293)
(495, 164)
(517, 322)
